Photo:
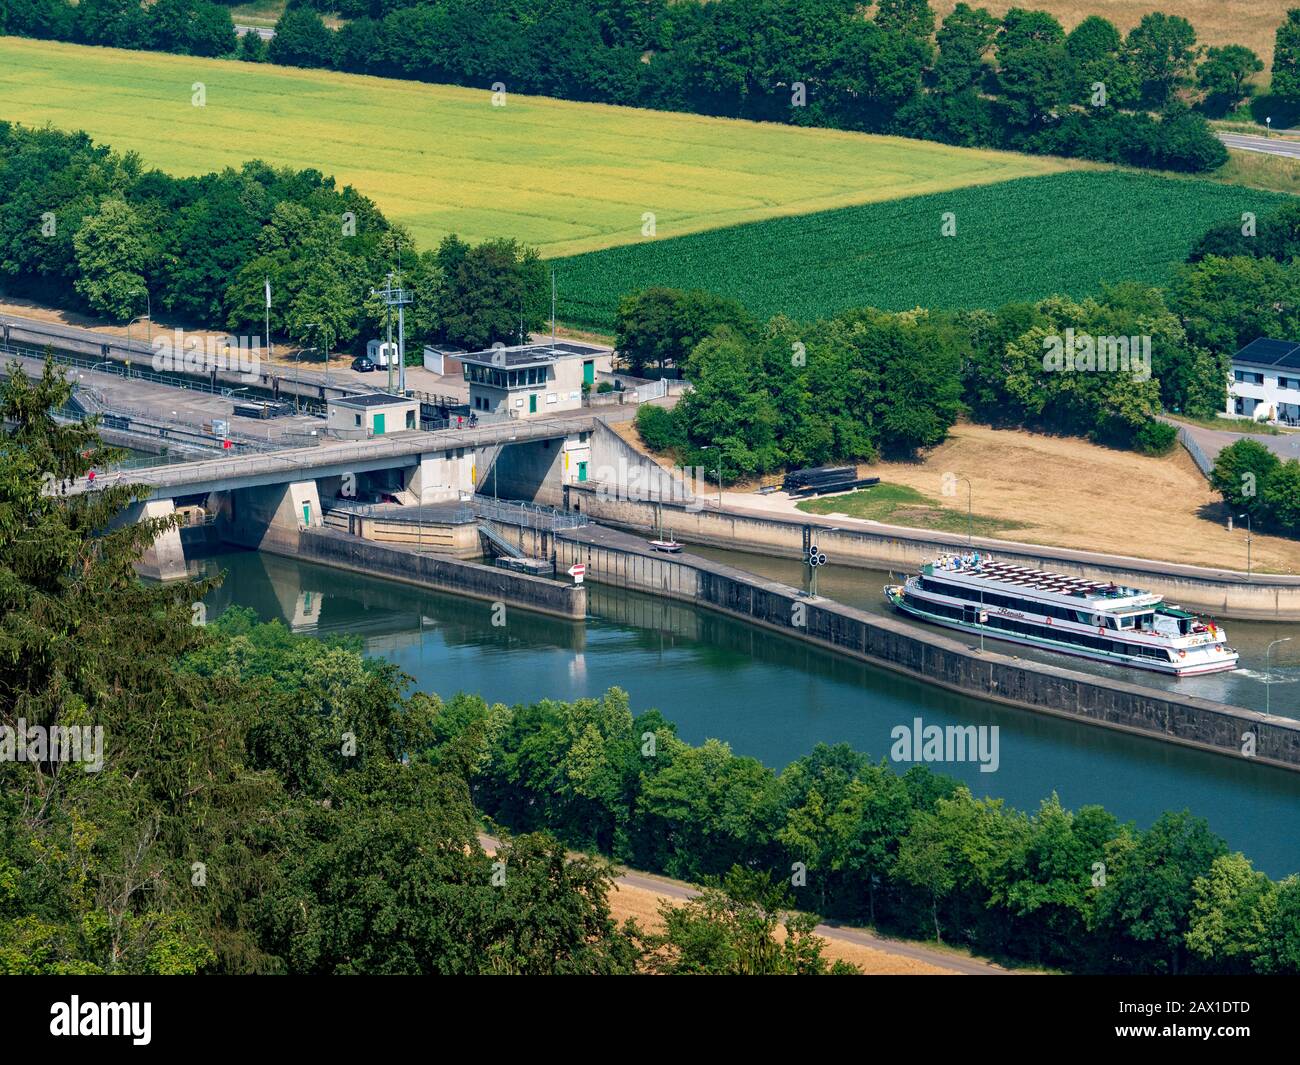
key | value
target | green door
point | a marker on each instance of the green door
(588, 372)
(582, 471)
(379, 425)
(306, 514)
(532, 403)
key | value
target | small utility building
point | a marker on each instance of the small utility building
(533, 380)
(1265, 384)
(371, 414)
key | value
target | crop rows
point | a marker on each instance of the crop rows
(1016, 240)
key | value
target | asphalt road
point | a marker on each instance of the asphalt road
(265, 32)
(1248, 142)
(675, 889)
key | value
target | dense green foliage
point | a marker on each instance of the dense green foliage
(917, 853)
(189, 27)
(1017, 240)
(858, 385)
(1252, 479)
(82, 225)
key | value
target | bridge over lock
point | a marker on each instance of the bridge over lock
(265, 501)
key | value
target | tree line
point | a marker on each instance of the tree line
(915, 853)
(1019, 82)
(86, 227)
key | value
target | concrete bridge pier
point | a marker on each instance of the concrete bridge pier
(442, 476)
(272, 517)
(164, 559)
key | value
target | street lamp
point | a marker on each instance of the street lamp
(715, 447)
(137, 318)
(1268, 679)
(970, 514)
(1248, 539)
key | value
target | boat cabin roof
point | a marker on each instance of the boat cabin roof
(980, 571)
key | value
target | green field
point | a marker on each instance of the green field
(1024, 239)
(561, 176)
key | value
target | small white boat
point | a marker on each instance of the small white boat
(1093, 619)
(670, 545)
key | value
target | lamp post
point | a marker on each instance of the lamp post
(138, 318)
(1248, 539)
(1268, 680)
(970, 514)
(715, 447)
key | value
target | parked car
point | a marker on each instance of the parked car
(362, 364)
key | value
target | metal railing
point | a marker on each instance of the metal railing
(1194, 449)
(527, 515)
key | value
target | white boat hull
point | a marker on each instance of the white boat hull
(989, 632)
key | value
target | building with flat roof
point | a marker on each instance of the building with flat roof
(533, 380)
(371, 414)
(1265, 383)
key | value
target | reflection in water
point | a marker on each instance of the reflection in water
(766, 695)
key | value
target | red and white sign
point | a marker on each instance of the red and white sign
(225, 444)
(577, 572)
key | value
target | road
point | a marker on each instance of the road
(265, 32)
(1248, 142)
(676, 889)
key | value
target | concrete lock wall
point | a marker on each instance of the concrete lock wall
(1223, 593)
(935, 659)
(402, 563)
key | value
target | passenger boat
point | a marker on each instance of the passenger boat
(1093, 619)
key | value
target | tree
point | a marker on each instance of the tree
(1230, 908)
(730, 930)
(1163, 48)
(302, 40)
(912, 18)
(1280, 951)
(1097, 50)
(1146, 904)
(252, 47)
(660, 327)
(494, 292)
(1281, 494)
(1225, 71)
(112, 253)
(964, 39)
(1241, 471)
(1286, 57)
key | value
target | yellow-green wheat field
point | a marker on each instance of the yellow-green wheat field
(564, 177)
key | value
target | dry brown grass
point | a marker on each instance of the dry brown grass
(1218, 22)
(1075, 494)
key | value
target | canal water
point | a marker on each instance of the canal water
(766, 695)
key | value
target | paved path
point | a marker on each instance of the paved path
(676, 889)
(1212, 441)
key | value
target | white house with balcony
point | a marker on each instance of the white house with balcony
(1265, 383)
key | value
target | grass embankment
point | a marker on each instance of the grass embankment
(898, 504)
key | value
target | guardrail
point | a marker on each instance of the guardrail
(528, 515)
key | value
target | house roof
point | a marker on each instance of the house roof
(1284, 354)
(371, 399)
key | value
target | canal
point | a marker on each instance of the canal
(766, 695)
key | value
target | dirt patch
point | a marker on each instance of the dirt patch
(628, 900)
